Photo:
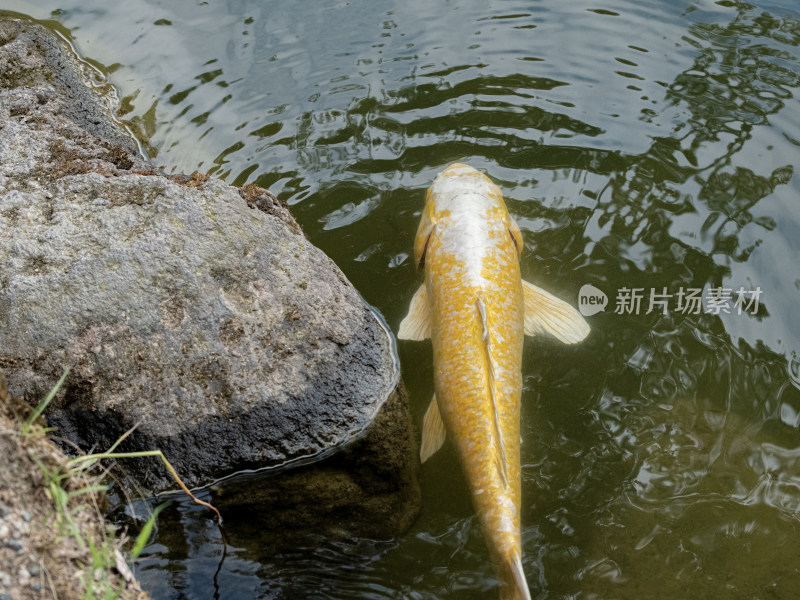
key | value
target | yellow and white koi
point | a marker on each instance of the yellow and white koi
(476, 309)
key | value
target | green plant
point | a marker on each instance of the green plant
(74, 490)
(37, 412)
(144, 534)
(90, 459)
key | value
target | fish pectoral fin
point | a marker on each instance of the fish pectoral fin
(433, 432)
(545, 312)
(417, 324)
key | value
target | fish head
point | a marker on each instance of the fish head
(460, 192)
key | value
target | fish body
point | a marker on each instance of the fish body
(476, 309)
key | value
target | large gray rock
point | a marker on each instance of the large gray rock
(197, 311)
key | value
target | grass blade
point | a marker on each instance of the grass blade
(144, 534)
(43, 404)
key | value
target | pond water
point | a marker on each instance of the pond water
(646, 148)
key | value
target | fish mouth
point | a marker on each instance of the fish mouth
(457, 169)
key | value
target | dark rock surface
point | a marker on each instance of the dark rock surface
(355, 492)
(195, 310)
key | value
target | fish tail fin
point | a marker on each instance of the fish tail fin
(517, 588)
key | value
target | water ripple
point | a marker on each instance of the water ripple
(647, 145)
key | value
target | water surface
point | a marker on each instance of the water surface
(641, 145)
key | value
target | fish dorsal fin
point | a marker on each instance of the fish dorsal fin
(433, 432)
(417, 324)
(502, 462)
(545, 312)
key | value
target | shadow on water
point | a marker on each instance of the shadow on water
(641, 146)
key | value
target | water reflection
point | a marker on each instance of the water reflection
(644, 145)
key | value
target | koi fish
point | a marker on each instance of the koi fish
(476, 309)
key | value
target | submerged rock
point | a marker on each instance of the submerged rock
(195, 311)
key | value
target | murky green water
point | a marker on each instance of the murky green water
(646, 145)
